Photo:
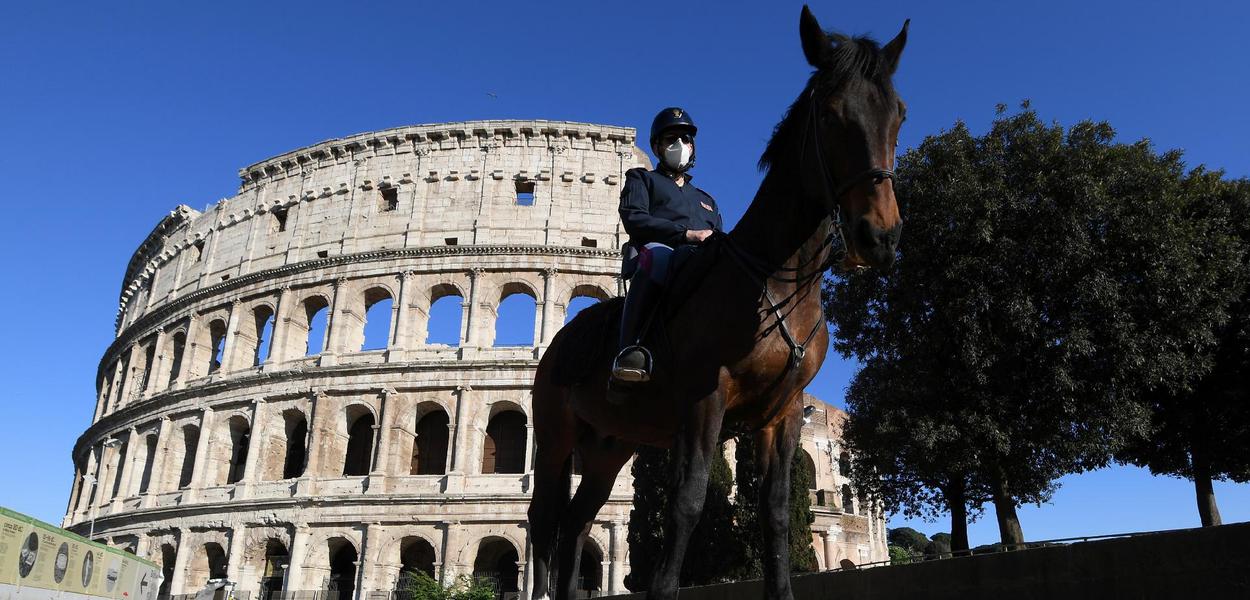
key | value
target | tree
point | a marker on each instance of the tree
(1202, 432)
(802, 556)
(746, 514)
(907, 538)
(716, 551)
(1040, 281)
(420, 586)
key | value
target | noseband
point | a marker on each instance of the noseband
(834, 195)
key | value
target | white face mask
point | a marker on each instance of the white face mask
(677, 155)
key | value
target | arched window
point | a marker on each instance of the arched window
(149, 458)
(416, 555)
(296, 428)
(342, 567)
(316, 315)
(445, 315)
(209, 563)
(178, 345)
(358, 458)
(168, 555)
(504, 449)
(263, 319)
(217, 344)
(844, 465)
(276, 560)
(149, 357)
(514, 325)
(590, 570)
(496, 562)
(809, 469)
(240, 436)
(118, 469)
(190, 440)
(429, 450)
(576, 305)
(848, 499)
(377, 325)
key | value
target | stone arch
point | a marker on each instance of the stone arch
(149, 449)
(343, 558)
(209, 562)
(311, 323)
(443, 315)
(431, 442)
(590, 572)
(227, 450)
(504, 445)
(255, 337)
(360, 423)
(588, 290)
(119, 462)
(216, 332)
(177, 352)
(515, 315)
(266, 552)
(496, 561)
(181, 458)
(379, 305)
(416, 553)
(168, 555)
(848, 499)
(321, 548)
(809, 467)
(286, 449)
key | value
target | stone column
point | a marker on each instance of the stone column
(299, 553)
(471, 329)
(459, 441)
(235, 556)
(126, 389)
(312, 456)
(201, 456)
(368, 560)
(618, 547)
(528, 467)
(155, 380)
(401, 343)
(376, 484)
(278, 351)
(830, 539)
(181, 556)
(127, 467)
(229, 350)
(244, 486)
(188, 353)
(92, 468)
(143, 547)
(158, 464)
(451, 541)
(334, 327)
(72, 507)
(119, 380)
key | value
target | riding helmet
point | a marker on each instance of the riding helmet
(671, 118)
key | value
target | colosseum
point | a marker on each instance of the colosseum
(280, 408)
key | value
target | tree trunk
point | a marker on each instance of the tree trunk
(1009, 530)
(957, 502)
(1208, 511)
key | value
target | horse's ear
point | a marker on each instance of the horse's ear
(894, 49)
(816, 44)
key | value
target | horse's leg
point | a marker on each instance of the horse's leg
(692, 453)
(602, 459)
(774, 449)
(553, 462)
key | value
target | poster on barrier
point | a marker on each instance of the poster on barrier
(42, 562)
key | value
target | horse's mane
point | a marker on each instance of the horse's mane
(852, 58)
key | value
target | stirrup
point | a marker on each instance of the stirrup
(632, 373)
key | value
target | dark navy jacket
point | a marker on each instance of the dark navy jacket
(655, 209)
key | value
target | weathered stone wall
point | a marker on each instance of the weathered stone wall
(204, 450)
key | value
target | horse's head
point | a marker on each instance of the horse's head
(853, 117)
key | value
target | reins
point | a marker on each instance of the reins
(761, 272)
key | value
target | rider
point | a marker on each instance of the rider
(661, 211)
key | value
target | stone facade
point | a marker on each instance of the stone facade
(241, 428)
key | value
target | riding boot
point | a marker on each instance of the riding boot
(633, 363)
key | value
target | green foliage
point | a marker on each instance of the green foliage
(902, 556)
(907, 538)
(802, 556)
(420, 586)
(716, 551)
(1047, 279)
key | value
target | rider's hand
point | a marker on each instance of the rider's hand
(697, 235)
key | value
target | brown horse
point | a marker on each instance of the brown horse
(737, 345)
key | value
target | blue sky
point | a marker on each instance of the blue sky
(114, 113)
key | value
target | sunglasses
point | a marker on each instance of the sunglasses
(668, 138)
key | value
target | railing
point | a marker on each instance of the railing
(998, 547)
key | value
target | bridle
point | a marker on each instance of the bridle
(761, 272)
